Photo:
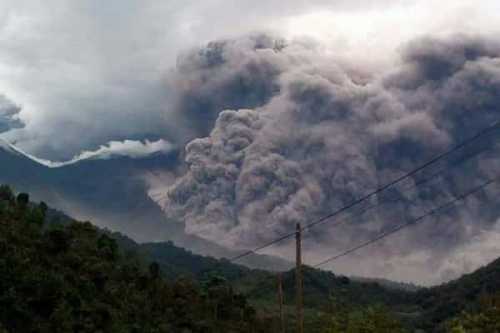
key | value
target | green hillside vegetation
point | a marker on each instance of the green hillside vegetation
(73, 278)
(59, 275)
(485, 318)
(429, 309)
(466, 294)
(321, 286)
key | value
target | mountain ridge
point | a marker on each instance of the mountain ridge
(427, 308)
(113, 194)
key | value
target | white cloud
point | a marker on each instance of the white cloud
(128, 148)
(113, 149)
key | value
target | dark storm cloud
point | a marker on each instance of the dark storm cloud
(317, 138)
(9, 113)
(95, 71)
(84, 73)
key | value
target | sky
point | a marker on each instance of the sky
(94, 78)
(95, 71)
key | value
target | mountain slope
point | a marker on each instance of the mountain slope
(112, 194)
(426, 309)
(74, 278)
(448, 300)
(258, 285)
(20, 170)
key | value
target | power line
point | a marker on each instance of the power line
(419, 219)
(437, 158)
(424, 182)
(409, 174)
(277, 240)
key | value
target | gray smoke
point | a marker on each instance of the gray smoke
(304, 134)
(226, 74)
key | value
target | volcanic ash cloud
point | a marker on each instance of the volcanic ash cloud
(317, 137)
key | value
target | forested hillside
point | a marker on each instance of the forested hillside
(472, 293)
(59, 275)
(74, 278)
(82, 187)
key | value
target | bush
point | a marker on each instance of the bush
(6, 193)
(23, 199)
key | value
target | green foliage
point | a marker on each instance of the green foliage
(57, 275)
(42, 206)
(176, 262)
(486, 319)
(23, 199)
(35, 215)
(12, 207)
(75, 278)
(341, 318)
(6, 193)
(318, 285)
(154, 270)
(449, 300)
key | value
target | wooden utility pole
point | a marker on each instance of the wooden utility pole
(298, 278)
(280, 302)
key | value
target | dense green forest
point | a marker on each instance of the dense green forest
(475, 294)
(60, 275)
(73, 278)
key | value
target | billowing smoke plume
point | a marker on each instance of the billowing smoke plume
(226, 74)
(299, 134)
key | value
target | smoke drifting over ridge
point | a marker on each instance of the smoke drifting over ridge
(306, 134)
(113, 149)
